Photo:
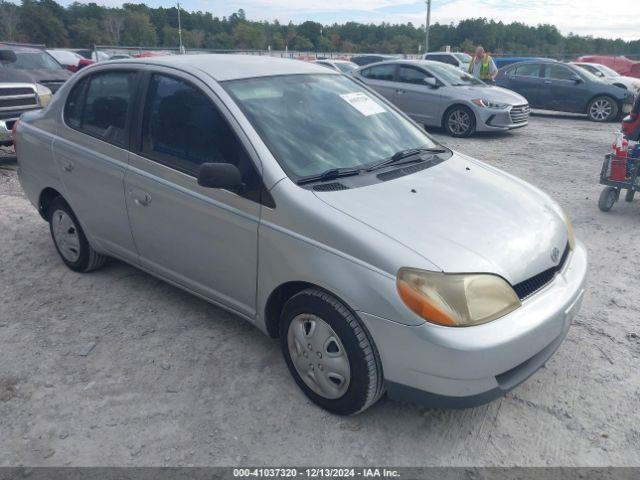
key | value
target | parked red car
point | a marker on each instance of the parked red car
(622, 65)
(631, 123)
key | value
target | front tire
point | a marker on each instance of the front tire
(602, 109)
(70, 240)
(459, 121)
(329, 353)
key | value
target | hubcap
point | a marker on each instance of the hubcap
(459, 122)
(601, 109)
(65, 234)
(319, 356)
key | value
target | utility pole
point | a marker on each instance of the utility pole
(426, 29)
(180, 31)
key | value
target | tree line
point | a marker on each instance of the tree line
(81, 25)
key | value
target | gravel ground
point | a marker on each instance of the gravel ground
(118, 368)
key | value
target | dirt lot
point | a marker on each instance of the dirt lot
(118, 368)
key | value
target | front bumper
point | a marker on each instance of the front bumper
(491, 120)
(463, 367)
(6, 124)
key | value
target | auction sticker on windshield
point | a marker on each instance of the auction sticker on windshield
(362, 102)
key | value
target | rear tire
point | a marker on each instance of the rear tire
(603, 109)
(608, 197)
(69, 239)
(329, 353)
(459, 121)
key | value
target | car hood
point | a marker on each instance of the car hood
(36, 75)
(463, 216)
(491, 93)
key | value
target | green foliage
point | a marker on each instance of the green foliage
(136, 24)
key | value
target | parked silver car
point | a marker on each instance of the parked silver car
(439, 95)
(342, 66)
(314, 209)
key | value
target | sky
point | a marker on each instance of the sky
(608, 19)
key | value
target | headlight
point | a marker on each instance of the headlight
(44, 95)
(571, 237)
(481, 102)
(456, 300)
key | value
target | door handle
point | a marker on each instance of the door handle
(399, 92)
(548, 82)
(140, 198)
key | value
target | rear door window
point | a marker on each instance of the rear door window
(75, 104)
(99, 105)
(382, 72)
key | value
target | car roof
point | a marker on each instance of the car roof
(19, 48)
(223, 67)
(407, 61)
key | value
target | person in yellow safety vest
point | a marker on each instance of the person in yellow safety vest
(482, 66)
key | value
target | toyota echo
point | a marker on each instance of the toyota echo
(307, 204)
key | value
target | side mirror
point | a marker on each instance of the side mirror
(219, 175)
(432, 82)
(8, 56)
(576, 79)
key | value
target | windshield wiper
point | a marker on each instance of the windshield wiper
(402, 154)
(330, 174)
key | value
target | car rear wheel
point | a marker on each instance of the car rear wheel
(329, 353)
(603, 109)
(70, 240)
(459, 122)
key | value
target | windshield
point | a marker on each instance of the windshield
(463, 57)
(33, 61)
(453, 76)
(346, 67)
(313, 123)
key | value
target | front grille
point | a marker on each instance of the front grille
(330, 187)
(16, 91)
(12, 98)
(531, 285)
(520, 113)
(15, 102)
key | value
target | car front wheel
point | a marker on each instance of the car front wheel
(329, 353)
(459, 122)
(602, 109)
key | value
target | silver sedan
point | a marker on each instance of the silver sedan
(439, 95)
(312, 208)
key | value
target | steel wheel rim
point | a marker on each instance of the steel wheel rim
(601, 109)
(65, 234)
(611, 198)
(319, 356)
(459, 122)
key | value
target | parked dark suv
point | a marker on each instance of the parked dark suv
(551, 85)
(28, 78)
